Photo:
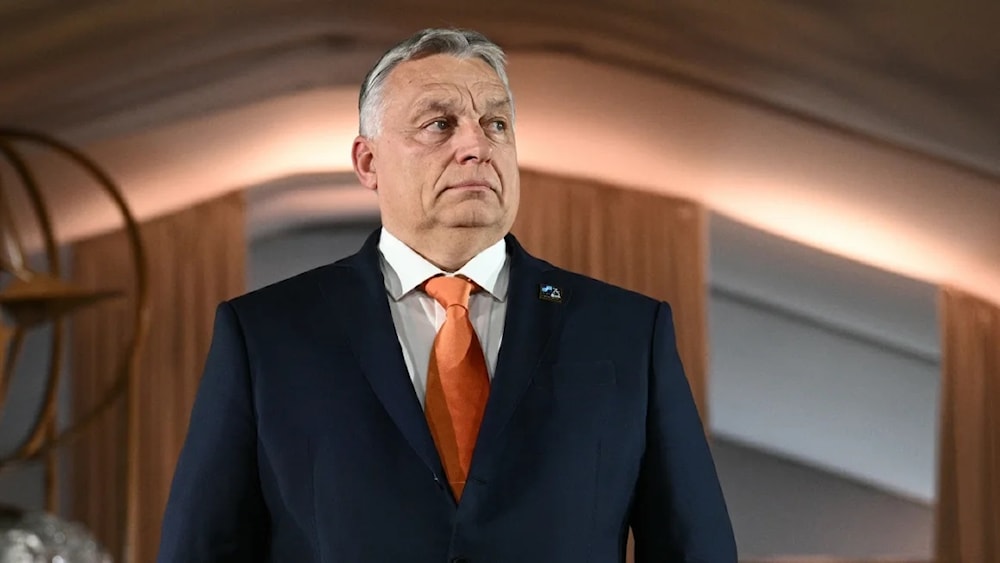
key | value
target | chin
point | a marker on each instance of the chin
(477, 225)
(472, 216)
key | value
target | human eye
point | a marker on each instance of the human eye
(498, 125)
(438, 125)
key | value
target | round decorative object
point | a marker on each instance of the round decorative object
(33, 293)
(38, 537)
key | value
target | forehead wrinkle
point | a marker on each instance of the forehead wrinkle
(438, 97)
(448, 97)
(435, 105)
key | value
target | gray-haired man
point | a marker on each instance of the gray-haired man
(442, 395)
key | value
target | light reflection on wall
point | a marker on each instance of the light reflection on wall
(874, 204)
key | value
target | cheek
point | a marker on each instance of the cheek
(409, 170)
(507, 168)
(513, 198)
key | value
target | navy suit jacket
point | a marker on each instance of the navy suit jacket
(307, 443)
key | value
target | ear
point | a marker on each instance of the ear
(363, 157)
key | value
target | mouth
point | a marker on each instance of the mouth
(471, 185)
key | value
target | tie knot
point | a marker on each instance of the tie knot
(449, 290)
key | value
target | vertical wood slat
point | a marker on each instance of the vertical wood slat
(968, 508)
(196, 259)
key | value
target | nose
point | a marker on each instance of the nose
(472, 145)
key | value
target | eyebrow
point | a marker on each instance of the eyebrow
(433, 106)
(446, 107)
(497, 104)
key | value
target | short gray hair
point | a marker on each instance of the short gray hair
(460, 43)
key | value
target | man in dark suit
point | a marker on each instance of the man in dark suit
(442, 395)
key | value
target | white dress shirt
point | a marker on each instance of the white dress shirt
(418, 316)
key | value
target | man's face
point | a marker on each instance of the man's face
(444, 157)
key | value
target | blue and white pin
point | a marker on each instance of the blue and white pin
(551, 293)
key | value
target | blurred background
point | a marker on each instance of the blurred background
(814, 185)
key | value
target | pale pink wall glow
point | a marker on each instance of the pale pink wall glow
(874, 204)
(167, 169)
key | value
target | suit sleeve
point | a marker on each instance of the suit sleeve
(679, 513)
(215, 512)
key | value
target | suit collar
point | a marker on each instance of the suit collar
(405, 270)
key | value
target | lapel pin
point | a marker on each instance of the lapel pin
(550, 293)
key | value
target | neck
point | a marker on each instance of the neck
(451, 249)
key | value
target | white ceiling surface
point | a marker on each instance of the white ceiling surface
(824, 361)
(889, 310)
(833, 402)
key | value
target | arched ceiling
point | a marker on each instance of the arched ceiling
(868, 132)
(921, 73)
(742, 106)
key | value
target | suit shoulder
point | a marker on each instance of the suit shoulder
(300, 288)
(593, 288)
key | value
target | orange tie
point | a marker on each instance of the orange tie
(458, 384)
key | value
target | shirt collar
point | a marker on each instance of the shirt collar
(405, 270)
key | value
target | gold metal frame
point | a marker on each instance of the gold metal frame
(52, 303)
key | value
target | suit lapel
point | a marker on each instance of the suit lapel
(373, 337)
(530, 324)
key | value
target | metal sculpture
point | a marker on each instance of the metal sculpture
(34, 298)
